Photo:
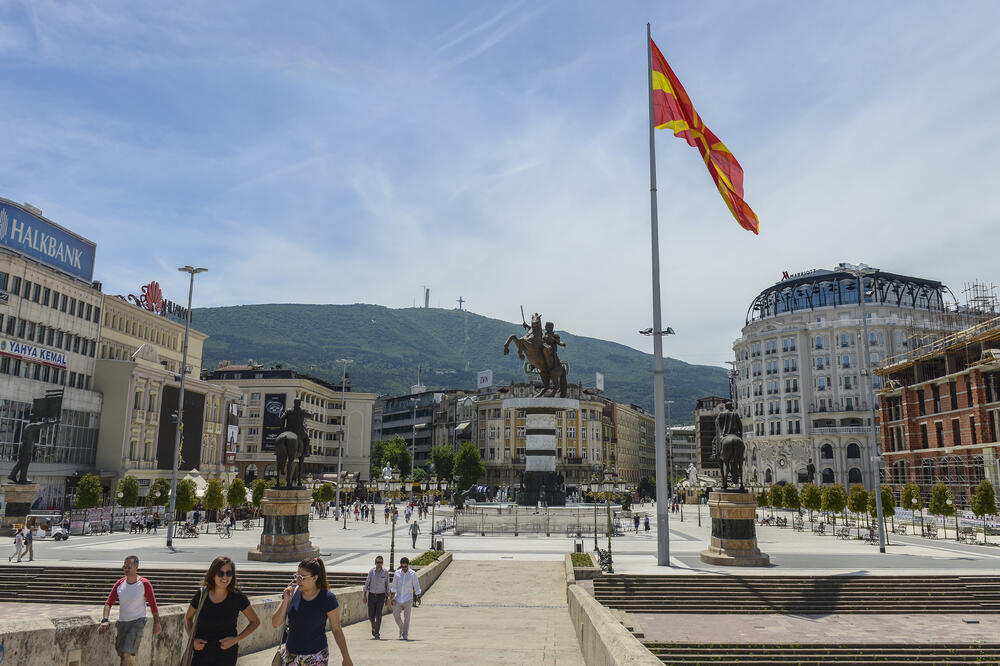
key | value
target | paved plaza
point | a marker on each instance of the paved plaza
(512, 589)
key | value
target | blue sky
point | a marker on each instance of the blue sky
(352, 152)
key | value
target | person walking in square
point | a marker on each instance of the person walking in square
(132, 592)
(18, 546)
(213, 613)
(376, 590)
(308, 605)
(405, 591)
(635, 519)
(414, 531)
(386, 514)
(645, 524)
(29, 544)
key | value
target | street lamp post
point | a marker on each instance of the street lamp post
(608, 496)
(344, 423)
(192, 271)
(859, 271)
(662, 492)
(670, 449)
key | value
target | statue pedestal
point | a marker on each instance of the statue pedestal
(734, 539)
(19, 497)
(540, 448)
(286, 527)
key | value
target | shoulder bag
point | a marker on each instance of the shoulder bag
(278, 659)
(189, 650)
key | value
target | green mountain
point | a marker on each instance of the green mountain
(450, 345)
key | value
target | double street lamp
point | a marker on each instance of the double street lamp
(192, 271)
(344, 423)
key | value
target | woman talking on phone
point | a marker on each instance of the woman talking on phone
(308, 604)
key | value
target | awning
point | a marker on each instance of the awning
(462, 426)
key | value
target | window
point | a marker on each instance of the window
(827, 475)
(845, 361)
(97, 315)
(956, 433)
(55, 299)
(46, 293)
(72, 306)
(821, 383)
(972, 429)
(923, 435)
(853, 450)
(854, 475)
(35, 292)
(65, 301)
(255, 396)
(21, 325)
(845, 339)
(819, 342)
(826, 452)
(11, 324)
(939, 431)
(137, 403)
(26, 294)
(15, 285)
(936, 391)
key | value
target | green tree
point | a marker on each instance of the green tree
(236, 493)
(468, 466)
(187, 496)
(647, 486)
(215, 495)
(914, 501)
(776, 496)
(763, 499)
(89, 493)
(790, 498)
(834, 500)
(443, 457)
(159, 492)
(857, 502)
(420, 474)
(812, 498)
(984, 503)
(378, 451)
(327, 493)
(938, 504)
(397, 455)
(129, 489)
(257, 488)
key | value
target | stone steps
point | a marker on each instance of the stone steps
(852, 654)
(799, 594)
(90, 585)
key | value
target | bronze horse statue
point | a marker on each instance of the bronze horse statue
(542, 355)
(729, 446)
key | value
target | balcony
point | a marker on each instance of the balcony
(139, 415)
(841, 430)
(153, 418)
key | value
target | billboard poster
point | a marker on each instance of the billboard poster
(33, 236)
(485, 379)
(599, 383)
(274, 405)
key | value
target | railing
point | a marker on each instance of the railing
(841, 430)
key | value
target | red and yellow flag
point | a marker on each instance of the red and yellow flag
(672, 109)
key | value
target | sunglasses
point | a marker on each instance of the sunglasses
(299, 576)
(224, 574)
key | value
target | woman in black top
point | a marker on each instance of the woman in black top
(215, 636)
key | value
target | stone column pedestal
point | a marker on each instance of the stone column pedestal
(734, 539)
(19, 497)
(286, 527)
(540, 484)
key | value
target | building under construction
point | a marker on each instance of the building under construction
(940, 405)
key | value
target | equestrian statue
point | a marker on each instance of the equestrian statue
(728, 447)
(540, 348)
(292, 443)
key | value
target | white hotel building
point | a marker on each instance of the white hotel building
(800, 374)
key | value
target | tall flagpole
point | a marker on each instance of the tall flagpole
(662, 482)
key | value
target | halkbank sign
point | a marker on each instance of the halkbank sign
(44, 241)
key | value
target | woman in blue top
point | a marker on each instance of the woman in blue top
(308, 604)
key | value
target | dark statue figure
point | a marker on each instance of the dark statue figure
(44, 413)
(540, 347)
(292, 443)
(810, 471)
(728, 446)
(549, 488)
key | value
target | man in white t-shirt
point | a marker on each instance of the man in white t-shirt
(132, 592)
(404, 591)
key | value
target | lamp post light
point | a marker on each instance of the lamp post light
(345, 422)
(119, 495)
(608, 496)
(432, 486)
(413, 442)
(392, 517)
(859, 271)
(662, 510)
(192, 271)
(670, 450)
(950, 503)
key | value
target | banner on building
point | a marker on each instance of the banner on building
(274, 406)
(33, 236)
(599, 381)
(485, 379)
(55, 358)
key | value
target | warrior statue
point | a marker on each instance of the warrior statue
(44, 413)
(728, 446)
(541, 350)
(292, 443)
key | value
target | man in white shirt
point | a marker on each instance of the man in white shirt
(405, 589)
(132, 592)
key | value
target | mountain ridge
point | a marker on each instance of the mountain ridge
(451, 346)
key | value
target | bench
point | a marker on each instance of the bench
(844, 532)
(604, 559)
(931, 531)
(872, 537)
(968, 534)
(899, 529)
(798, 525)
(819, 529)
